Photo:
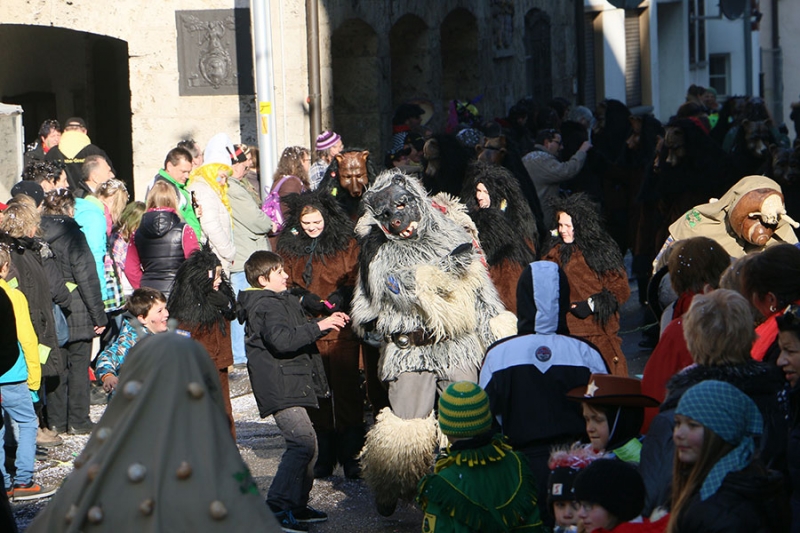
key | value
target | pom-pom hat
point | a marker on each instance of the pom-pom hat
(464, 410)
(326, 139)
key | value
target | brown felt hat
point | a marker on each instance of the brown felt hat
(604, 389)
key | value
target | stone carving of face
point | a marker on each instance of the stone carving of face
(353, 175)
(396, 209)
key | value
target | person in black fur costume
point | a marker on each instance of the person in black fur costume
(203, 303)
(445, 162)
(320, 256)
(506, 228)
(598, 283)
(719, 332)
(348, 184)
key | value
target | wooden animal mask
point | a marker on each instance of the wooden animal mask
(353, 176)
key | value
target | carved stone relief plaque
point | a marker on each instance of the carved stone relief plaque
(214, 52)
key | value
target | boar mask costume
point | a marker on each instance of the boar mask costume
(425, 293)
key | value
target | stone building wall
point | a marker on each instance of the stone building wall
(374, 55)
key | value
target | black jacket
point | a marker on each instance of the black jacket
(159, 242)
(762, 382)
(749, 501)
(74, 165)
(39, 278)
(793, 456)
(77, 266)
(282, 358)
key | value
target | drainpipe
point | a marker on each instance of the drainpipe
(265, 93)
(777, 65)
(748, 52)
(581, 50)
(314, 85)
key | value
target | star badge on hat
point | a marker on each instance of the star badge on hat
(591, 388)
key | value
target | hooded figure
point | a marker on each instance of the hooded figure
(203, 303)
(748, 218)
(536, 368)
(160, 458)
(506, 226)
(598, 284)
(425, 293)
(320, 257)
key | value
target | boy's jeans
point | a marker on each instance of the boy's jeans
(238, 283)
(17, 403)
(295, 476)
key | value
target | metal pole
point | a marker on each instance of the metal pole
(314, 84)
(265, 93)
(748, 52)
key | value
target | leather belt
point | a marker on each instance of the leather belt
(418, 337)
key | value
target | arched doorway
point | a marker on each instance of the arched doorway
(538, 52)
(460, 62)
(357, 93)
(59, 73)
(411, 72)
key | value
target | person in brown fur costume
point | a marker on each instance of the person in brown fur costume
(506, 228)
(203, 303)
(321, 258)
(598, 283)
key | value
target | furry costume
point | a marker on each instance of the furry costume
(594, 268)
(325, 268)
(425, 292)
(205, 313)
(506, 229)
(332, 181)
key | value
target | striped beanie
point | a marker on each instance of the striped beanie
(464, 410)
(326, 139)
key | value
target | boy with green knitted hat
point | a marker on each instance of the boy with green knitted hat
(479, 483)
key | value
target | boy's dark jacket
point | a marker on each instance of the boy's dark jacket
(282, 358)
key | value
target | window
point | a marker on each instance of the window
(697, 33)
(718, 73)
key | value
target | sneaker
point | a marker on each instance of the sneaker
(30, 491)
(309, 515)
(289, 523)
(48, 438)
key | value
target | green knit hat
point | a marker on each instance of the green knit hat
(464, 410)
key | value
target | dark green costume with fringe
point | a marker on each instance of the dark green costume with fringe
(488, 488)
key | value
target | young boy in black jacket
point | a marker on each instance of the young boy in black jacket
(287, 376)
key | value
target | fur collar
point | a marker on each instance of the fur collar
(334, 238)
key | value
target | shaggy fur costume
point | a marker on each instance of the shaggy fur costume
(594, 268)
(428, 282)
(505, 195)
(330, 185)
(334, 239)
(398, 469)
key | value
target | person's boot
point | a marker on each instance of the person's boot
(326, 458)
(48, 438)
(349, 444)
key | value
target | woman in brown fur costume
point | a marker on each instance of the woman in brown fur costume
(321, 259)
(598, 283)
(203, 303)
(506, 227)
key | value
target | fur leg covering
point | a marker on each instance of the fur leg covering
(396, 454)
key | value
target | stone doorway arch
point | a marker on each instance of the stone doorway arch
(461, 60)
(357, 87)
(411, 63)
(538, 54)
(58, 73)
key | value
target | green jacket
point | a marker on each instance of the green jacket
(185, 200)
(487, 488)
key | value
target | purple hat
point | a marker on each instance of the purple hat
(326, 139)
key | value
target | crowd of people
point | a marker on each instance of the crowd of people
(472, 279)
